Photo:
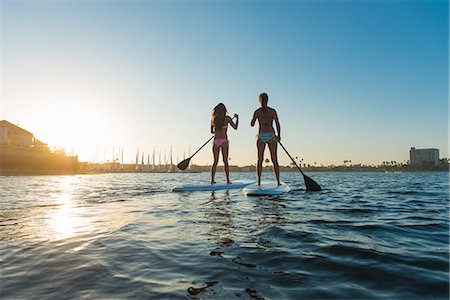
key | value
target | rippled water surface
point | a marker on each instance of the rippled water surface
(366, 235)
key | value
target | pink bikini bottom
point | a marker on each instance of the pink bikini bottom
(220, 142)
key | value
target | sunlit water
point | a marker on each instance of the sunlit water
(366, 235)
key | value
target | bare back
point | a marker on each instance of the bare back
(221, 133)
(266, 135)
(265, 119)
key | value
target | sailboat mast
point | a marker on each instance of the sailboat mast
(137, 159)
(159, 161)
(153, 158)
(171, 160)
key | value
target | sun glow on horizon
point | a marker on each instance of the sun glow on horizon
(74, 128)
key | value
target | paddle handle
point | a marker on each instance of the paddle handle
(205, 144)
(291, 158)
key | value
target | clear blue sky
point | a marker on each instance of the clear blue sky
(358, 80)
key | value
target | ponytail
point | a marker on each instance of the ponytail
(263, 99)
(218, 116)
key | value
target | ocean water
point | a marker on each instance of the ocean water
(127, 236)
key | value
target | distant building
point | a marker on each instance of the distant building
(424, 156)
(22, 154)
(11, 134)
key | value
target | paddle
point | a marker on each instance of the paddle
(311, 185)
(185, 163)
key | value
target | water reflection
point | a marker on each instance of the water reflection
(268, 210)
(220, 218)
(62, 216)
(62, 221)
(269, 222)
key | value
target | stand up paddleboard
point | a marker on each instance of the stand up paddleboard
(266, 188)
(238, 184)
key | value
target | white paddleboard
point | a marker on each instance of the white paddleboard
(238, 184)
(266, 188)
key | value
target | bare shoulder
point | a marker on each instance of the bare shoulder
(272, 111)
(258, 112)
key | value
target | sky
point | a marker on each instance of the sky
(350, 80)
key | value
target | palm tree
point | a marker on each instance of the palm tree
(292, 163)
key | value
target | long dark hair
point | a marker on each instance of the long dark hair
(218, 116)
(263, 99)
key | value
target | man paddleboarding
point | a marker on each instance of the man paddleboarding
(219, 126)
(266, 135)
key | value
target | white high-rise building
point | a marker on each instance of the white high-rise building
(424, 156)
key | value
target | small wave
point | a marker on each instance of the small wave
(357, 210)
(426, 226)
(403, 192)
(330, 222)
(374, 227)
(415, 193)
(50, 205)
(429, 263)
(356, 252)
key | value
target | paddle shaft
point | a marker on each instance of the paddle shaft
(291, 158)
(310, 184)
(201, 147)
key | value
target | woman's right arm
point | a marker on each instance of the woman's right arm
(235, 125)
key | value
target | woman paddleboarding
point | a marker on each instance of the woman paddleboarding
(266, 135)
(219, 126)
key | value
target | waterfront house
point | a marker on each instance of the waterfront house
(22, 154)
(13, 135)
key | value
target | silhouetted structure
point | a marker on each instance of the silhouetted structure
(22, 154)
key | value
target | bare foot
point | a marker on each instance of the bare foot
(213, 182)
(228, 182)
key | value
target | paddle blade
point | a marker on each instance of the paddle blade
(311, 185)
(184, 164)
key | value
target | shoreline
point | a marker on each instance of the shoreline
(233, 169)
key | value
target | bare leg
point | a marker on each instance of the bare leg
(216, 161)
(261, 146)
(225, 161)
(273, 155)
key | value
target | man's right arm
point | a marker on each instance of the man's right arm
(252, 123)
